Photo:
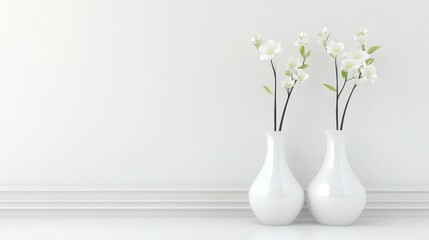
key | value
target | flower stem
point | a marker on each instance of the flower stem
(284, 108)
(342, 88)
(344, 84)
(336, 93)
(275, 95)
(347, 104)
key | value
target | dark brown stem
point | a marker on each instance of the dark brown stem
(275, 95)
(336, 93)
(285, 106)
(347, 104)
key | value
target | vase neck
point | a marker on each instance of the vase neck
(275, 148)
(335, 149)
(275, 139)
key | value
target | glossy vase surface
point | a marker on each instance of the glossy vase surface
(276, 197)
(336, 196)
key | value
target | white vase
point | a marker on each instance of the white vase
(336, 196)
(276, 198)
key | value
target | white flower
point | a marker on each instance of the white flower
(335, 48)
(256, 40)
(269, 49)
(350, 65)
(301, 75)
(293, 63)
(323, 34)
(302, 39)
(288, 84)
(358, 55)
(362, 37)
(369, 73)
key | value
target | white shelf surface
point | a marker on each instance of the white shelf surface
(207, 229)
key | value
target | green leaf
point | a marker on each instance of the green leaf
(369, 61)
(303, 66)
(373, 49)
(302, 51)
(329, 87)
(344, 74)
(325, 42)
(267, 89)
(308, 54)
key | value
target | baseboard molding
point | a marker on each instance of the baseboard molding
(180, 201)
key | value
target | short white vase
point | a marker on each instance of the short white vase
(336, 196)
(276, 198)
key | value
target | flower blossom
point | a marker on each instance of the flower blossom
(323, 34)
(269, 49)
(302, 39)
(288, 84)
(293, 63)
(301, 75)
(362, 37)
(256, 40)
(350, 66)
(334, 48)
(369, 73)
(358, 55)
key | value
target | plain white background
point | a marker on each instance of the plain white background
(169, 92)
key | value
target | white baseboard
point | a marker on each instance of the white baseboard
(180, 201)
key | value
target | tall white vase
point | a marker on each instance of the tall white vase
(275, 196)
(336, 196)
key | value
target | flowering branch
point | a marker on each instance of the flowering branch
(300, 75)
(356, 66)
(294, 69)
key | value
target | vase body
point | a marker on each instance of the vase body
(336, 196)
(276, 197)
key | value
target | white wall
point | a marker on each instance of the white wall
(169, 92)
